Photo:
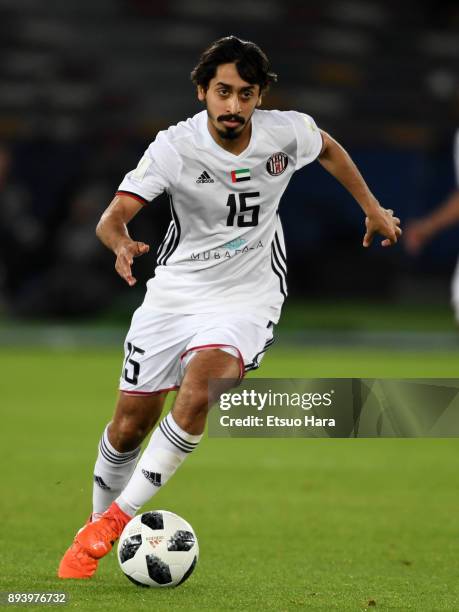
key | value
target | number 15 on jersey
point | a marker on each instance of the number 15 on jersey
(245, 214)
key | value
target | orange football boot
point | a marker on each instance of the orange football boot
(97, 538)
(76, 563)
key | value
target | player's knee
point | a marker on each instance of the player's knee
(192, 421)
(191, 408)
(127, 433)
(195, 399)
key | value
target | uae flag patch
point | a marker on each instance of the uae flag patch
(240, 175)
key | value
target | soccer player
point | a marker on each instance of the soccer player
(421, 231)
(220, 278)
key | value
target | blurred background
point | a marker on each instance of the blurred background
(87, 85)
(84, 87)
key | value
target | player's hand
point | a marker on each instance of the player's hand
(125, 254)
(382, 221)
(417, 234)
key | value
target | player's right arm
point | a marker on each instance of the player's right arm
(422, 230)
(112, 231)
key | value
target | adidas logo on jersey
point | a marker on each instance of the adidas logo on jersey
(205, 178)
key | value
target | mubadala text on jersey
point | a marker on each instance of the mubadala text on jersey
(274, 421)
(227, 254)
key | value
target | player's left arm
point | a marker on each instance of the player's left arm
(335, 159)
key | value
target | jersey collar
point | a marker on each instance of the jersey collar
(209, 143)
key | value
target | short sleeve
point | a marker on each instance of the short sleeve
(308, 137)
(157, 171)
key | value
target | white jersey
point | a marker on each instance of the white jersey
(224, 249)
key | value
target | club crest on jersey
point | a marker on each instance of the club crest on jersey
(277, 163)
(240, 175)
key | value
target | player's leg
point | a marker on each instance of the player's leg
(135, 416)
(192, 403)
(180, 432)
(168, 447)
(149, 370)
(247, 338)
(119, 447)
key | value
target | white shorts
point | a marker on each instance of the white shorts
(159, 345)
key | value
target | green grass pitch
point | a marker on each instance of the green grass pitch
(282, 524)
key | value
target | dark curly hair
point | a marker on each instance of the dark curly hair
(251, 62)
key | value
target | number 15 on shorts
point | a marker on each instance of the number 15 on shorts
(131, 367)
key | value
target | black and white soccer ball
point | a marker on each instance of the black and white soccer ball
(158, 549)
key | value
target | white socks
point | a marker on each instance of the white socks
(111, 473)
(168, 447)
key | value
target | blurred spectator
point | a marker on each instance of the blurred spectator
(21, 234)
(421, 231)
(77, 283)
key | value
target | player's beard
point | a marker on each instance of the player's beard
(228, 133)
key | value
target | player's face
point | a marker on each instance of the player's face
(230, 102)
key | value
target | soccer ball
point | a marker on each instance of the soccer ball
(158, 549)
